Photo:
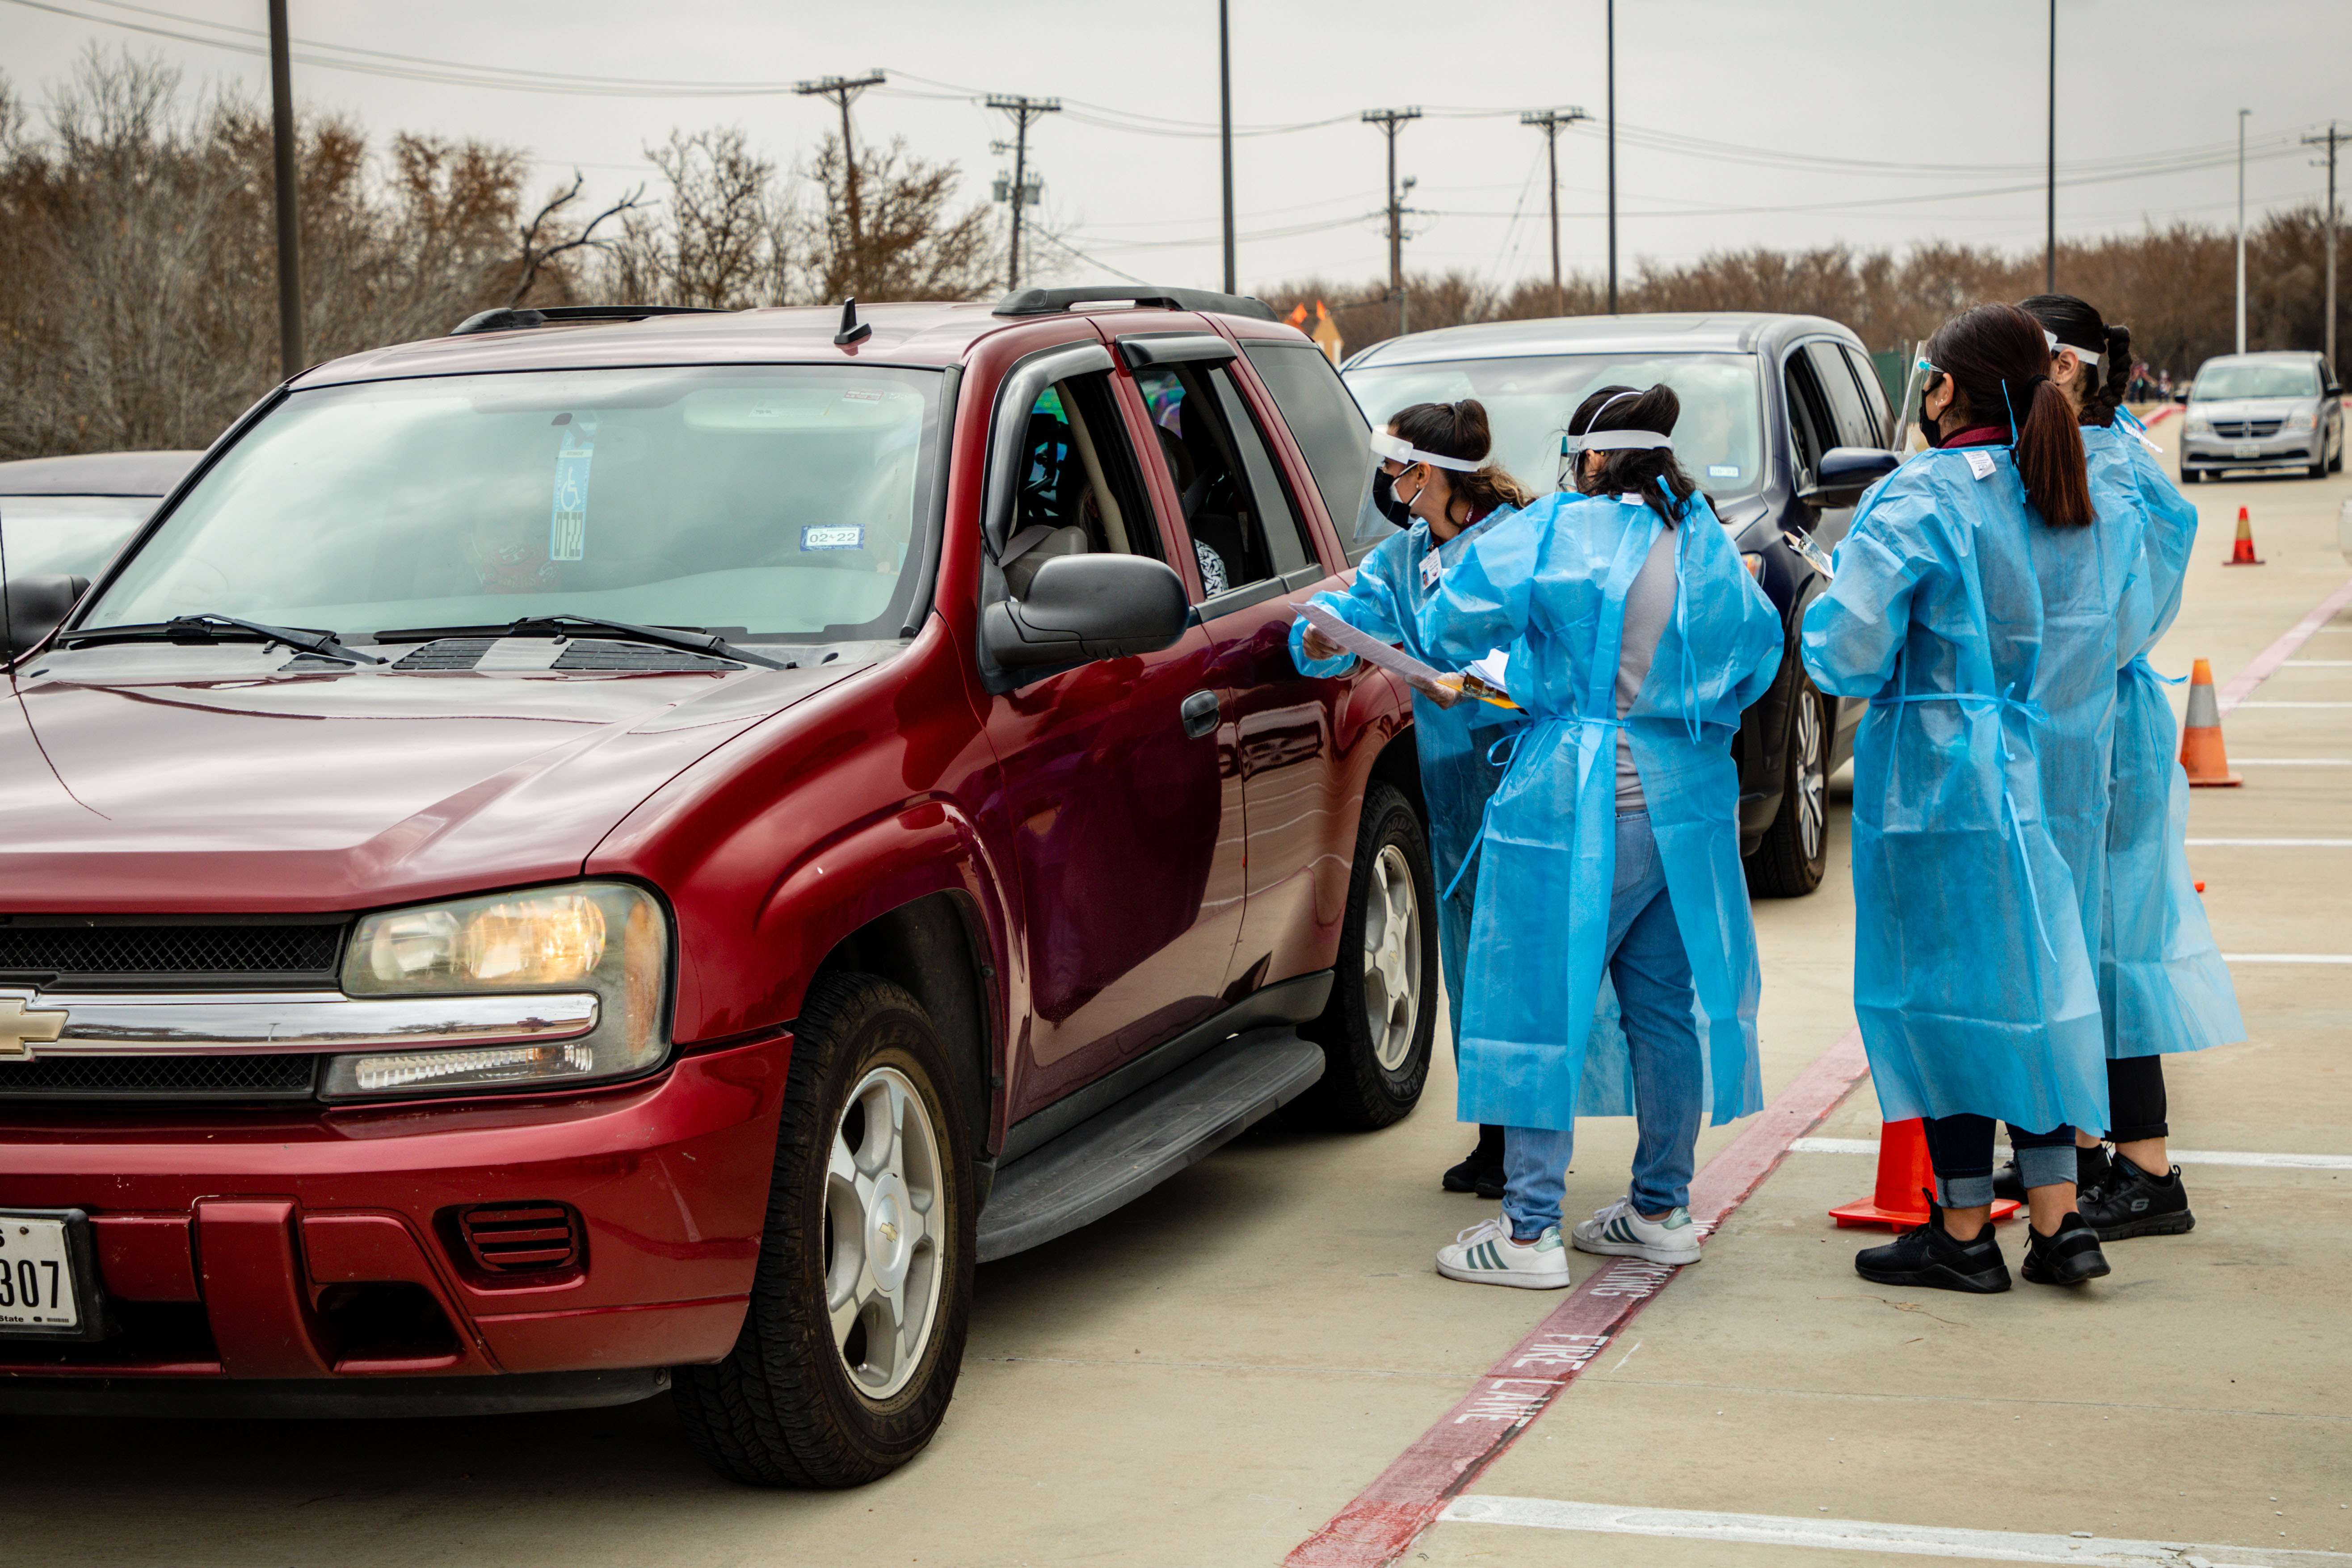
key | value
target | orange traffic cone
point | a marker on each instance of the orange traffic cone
(2241, 554)
(2201, 753)
(1905, 1179)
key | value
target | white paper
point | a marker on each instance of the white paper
(1494, 669)
(1812, 554)
(1370, 649)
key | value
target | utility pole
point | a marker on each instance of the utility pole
(1225, 130)
(2332, 139)
(1023, 112)
(841, 89)
(2049, 186)
(289, 219)
(1392, 120)
(1548, 122)
(1612, 155)
(2242, 228)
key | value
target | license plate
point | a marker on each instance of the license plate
(46, 1277)
(2245, 449)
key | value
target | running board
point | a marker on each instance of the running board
(1131, 1147)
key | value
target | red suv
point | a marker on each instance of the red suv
(627, 850)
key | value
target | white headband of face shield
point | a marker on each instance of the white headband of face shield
(1618, 440)
(2085, 356)
(1397, 450)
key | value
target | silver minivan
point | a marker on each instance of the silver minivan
(2262, 410)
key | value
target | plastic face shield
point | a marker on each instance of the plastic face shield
(1573, 448)
(1372, 523)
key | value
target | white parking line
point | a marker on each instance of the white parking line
(1857, 1535)
(2286, 958)
(2291, 761)
(2273, 843)
(2266, 703)
(2180, 1156)
(2318, 664)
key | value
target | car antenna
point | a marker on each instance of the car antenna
(7, 616)
(852, 331)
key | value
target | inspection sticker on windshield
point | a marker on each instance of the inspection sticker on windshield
(1723, 470)
(567, 526)
(834, 536)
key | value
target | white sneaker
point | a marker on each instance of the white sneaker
(1618, 1231)
(1486, 1255)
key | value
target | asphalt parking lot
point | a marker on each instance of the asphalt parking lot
(1213, 1373)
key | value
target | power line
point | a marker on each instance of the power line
(1026, 112)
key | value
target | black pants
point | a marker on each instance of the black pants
(1961, 1150)
(2136, 1104)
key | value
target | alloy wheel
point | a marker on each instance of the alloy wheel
(884, 1230)
(1812, 776)
(1392, 959)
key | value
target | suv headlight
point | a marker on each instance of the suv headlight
(605, 938)
(2197, 424)
(2302, 419)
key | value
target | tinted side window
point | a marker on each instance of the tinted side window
(1850, 424)
(1874, 394)
(1809, 418)
(1325, 423)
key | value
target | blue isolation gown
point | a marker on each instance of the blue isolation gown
(1980, 785)
(1551, 581)
(1457, 777)
(2162, 984)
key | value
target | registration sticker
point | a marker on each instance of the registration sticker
(567, 523)
(1723, 470)
(834, 536)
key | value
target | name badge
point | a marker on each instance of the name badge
(1432, 569)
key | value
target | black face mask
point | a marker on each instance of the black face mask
(1384, 497)
(1927, 423)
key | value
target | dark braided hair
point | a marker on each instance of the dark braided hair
(1650, 472)
(1460, 430)
(2078, 326)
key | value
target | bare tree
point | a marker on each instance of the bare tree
(910, 244)
(548, 235)
(723, 244)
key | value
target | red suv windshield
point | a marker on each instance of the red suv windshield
(791, 503)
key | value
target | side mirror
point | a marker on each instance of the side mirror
(1846, 471)
(2182, 395)
(37, 606)
(1082, 607)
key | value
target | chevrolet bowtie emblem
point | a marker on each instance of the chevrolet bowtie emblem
(22, 1027)
(889, 1232)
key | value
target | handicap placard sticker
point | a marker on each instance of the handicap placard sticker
(834, 536)
(567, 524)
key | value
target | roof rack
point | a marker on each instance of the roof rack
(1053, 301)
(510, 318)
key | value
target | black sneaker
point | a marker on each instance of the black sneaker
(2091, 1167)
(2132, 1202)
(2069, 1256)
(1930, 1256)
(1476, 1176)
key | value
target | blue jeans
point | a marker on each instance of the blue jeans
(1652, 975)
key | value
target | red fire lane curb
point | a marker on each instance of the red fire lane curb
(1387, 1516)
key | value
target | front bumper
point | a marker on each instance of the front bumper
(323, 1245)
(2301, 446)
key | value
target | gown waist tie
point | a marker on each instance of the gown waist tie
(1507, 745)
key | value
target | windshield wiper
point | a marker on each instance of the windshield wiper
(217, 629)
(568, 624)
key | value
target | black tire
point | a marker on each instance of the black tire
(2191, 476)
(785, 1409)
(1359, 1090)
(1795, 850)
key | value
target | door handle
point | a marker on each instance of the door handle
(1200, 711)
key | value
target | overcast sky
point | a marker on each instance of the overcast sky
(1742, 121)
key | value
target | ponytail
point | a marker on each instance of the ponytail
(2117, 385)
(2077, 326)
(1460, 430)
(1649, 472)
(1998, 362)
